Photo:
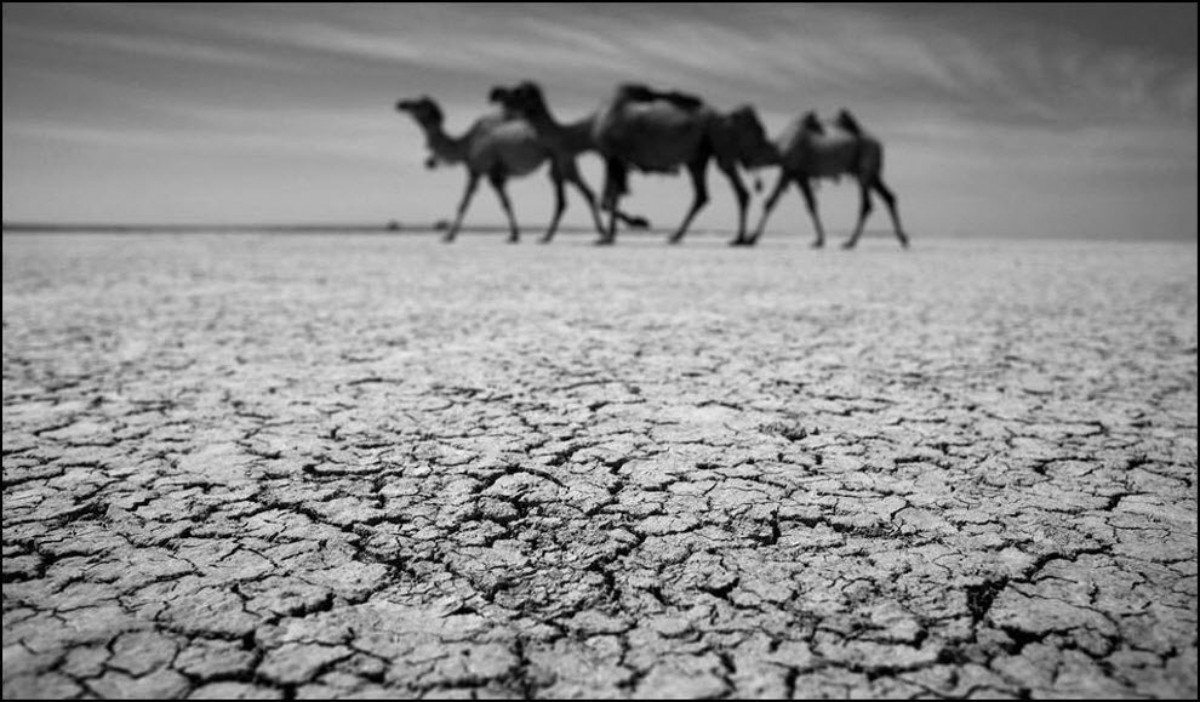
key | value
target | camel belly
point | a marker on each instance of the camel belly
(513, 147)
(661, 160)
(651, 137)
(829, 168)
(654, 150)
(521, 161)
(824, 156)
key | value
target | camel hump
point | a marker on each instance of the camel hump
(487, 123)
(638, 92)
(810, 123)
(848, 123)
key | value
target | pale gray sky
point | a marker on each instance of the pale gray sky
(1026, 120)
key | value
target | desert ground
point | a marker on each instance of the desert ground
(335, 465)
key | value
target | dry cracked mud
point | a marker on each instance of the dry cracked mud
(361, 466)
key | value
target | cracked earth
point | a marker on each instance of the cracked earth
(337, 466)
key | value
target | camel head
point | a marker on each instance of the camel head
(498, 94)
(502, 96)
(427, 114)
(524, 99)
(749, 138)
(424, 110)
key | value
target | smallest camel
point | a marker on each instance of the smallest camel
(809, 149)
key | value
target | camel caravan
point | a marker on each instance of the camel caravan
(653, 131)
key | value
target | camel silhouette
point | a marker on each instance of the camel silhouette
(808, 149)
(494, 146)
(564, 142)
(654, 131)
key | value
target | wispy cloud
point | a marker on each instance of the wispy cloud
(776, 55)
(369, 143)
(151, 47)
(965, 93)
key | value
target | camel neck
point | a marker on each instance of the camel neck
(544, 123)
(577, 136)
(445, 147)
(573, 138)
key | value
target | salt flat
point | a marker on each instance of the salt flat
(367, 465)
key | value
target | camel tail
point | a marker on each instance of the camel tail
(878, 160)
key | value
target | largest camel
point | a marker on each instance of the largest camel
(653, 131)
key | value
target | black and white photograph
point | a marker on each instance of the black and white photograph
(600, 350)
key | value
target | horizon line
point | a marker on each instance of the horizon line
(391, 226)
(396, 227)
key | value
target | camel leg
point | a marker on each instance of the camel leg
(572, 176)
(769, 206)
(889, 199)
(624, 218)
(497, 181)
(696, 171)
(468, 193)
(632, 221)
(614, 184)
(743, 198)
(560, 204)
(590, 197)
(864, 211)
(811, 203)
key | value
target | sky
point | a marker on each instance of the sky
(1041, 120)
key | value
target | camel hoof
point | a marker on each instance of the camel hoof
(447, 240)
(605, 241)
(638, 223)
(818, 245)
(740, 242)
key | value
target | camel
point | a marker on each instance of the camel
(564, 143)
(494, 146)
(653, 131)
(499, 147)
(807, 150)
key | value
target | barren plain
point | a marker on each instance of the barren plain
(273, 466)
